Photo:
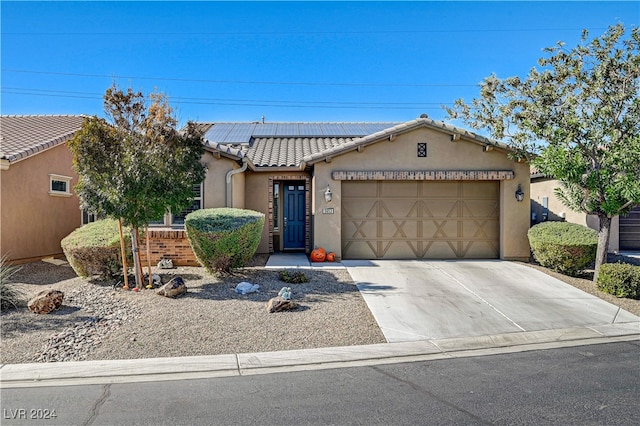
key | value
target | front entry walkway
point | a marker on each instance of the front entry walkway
(281, 260)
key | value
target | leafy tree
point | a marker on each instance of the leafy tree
(577, 119)
(136, 165)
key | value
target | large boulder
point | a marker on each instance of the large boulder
(278, 304)
(46, 301)
(174, 288)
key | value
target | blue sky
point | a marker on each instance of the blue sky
(287, 61)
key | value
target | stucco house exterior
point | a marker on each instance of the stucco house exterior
(625, 230)
(413, 190)
(37, 203)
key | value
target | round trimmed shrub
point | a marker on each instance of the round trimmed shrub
(224, 238)
(94, 249)
(620, 280)
(565, 247)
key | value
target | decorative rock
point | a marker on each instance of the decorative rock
(46, 301)
(165, 264)
(175, 287)
(278, 304)
(285, 293)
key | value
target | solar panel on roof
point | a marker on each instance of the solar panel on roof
(288, 129)
(217, 132)
(266, 129)
(333, 129)
(241, 133)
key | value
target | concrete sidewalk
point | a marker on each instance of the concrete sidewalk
(199, 367)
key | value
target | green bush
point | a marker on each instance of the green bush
(10, 295)
(224, 238)
(564, 247)
(620, 279)
(292, 277)
(95, 248)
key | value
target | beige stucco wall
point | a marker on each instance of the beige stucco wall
(541, 188)
(215, 186)
(33, 222)
(442, 155)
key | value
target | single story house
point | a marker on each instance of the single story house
(625, 230)
(415, 190)
(38, 206)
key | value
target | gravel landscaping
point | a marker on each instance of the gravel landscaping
(98, 321)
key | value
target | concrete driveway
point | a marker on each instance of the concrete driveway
(422, 300)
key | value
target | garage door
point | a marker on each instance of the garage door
(630, 230)
(420, 220)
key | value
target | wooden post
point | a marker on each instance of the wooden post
(139, 261)
(146, 231)
(124, 257)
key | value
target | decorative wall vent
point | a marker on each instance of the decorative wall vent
(422, 149)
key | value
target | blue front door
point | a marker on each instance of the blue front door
(294, 217)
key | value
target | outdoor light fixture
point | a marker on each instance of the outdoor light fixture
(519, 194)
(328, 195)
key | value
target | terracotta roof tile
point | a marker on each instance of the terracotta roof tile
(289, 152)
(26, 135)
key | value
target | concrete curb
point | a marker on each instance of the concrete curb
(200, 367)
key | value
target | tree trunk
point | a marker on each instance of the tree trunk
(603, 243)
(136, 259)
(125, 270)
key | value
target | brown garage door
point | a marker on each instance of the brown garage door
(420, 219)
(630, 230)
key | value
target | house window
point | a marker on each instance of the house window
(276, 206)
(59, 185)
(178, 219)
(88, 217)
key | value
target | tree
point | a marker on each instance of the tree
(138, 165)
(577, 119)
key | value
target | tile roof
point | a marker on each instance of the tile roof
(289, 152)
(282, 144)
(296, 145)
(243, 133)
(25, 135)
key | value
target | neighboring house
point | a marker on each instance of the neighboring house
(38, 205)
(624, 232)
(420, 189)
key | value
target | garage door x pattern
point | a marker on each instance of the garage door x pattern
(437, 220)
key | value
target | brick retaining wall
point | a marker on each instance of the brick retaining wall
(166, 243)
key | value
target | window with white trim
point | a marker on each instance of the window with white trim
(59, 185)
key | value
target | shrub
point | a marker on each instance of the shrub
(564, 247)
(10, 295)
(95, 248)
(293, 277)
(620, 279)
(224, 238)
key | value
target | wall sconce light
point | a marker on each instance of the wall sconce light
(328, 195)
(519, 194)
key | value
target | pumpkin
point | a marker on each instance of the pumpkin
(331, 257)
(318, 255)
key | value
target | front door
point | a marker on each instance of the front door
(294, 217)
